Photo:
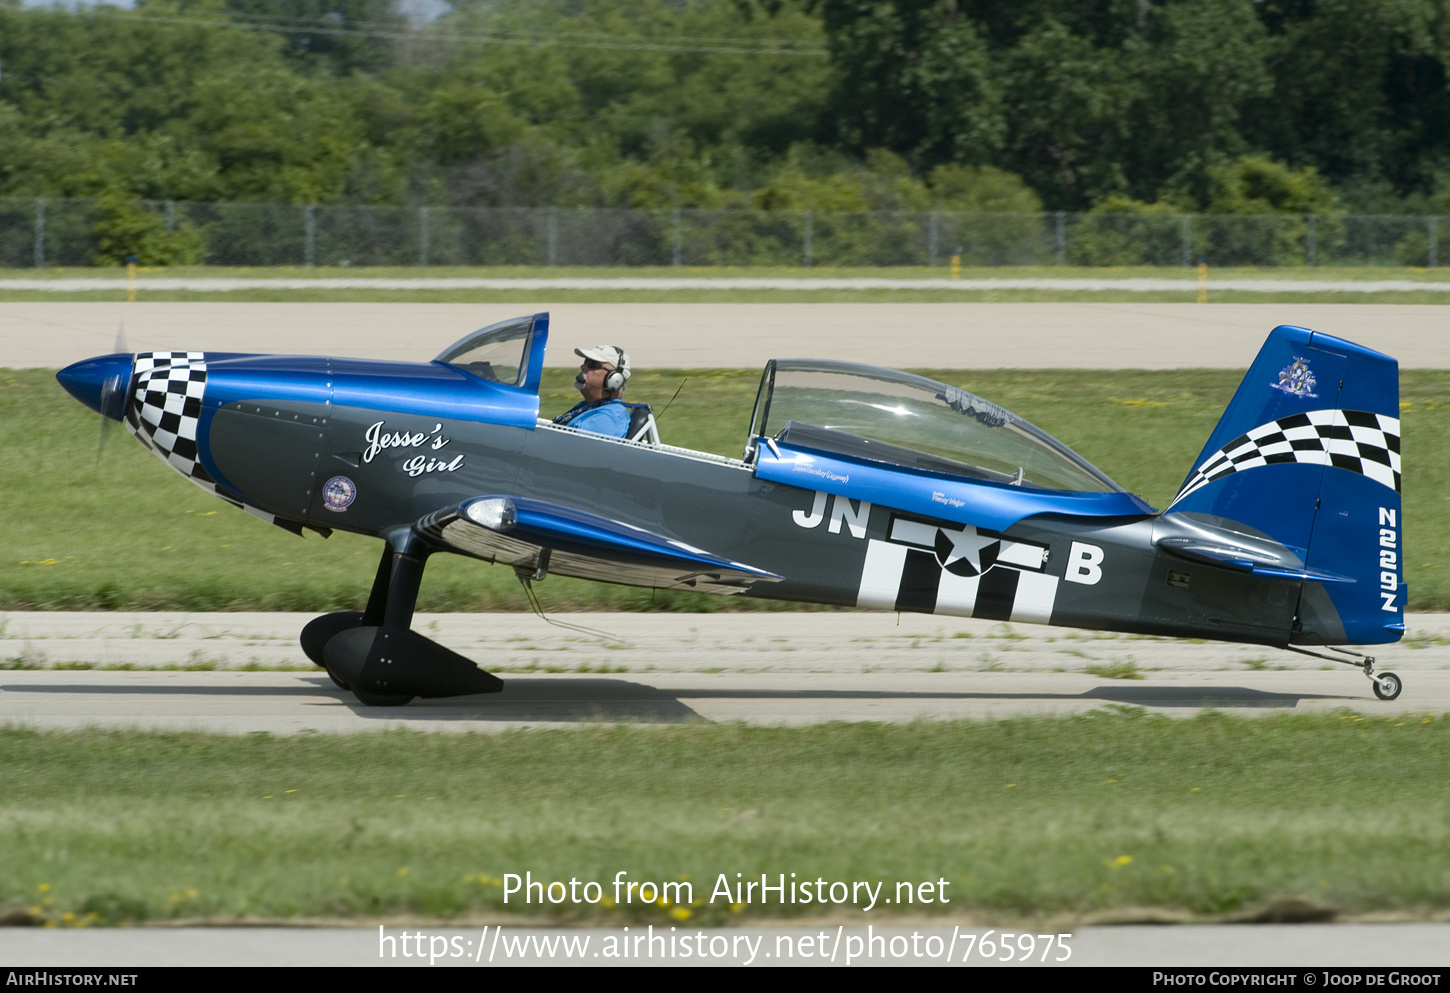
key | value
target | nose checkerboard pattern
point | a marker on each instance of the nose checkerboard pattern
(166, 407)
(165, 415)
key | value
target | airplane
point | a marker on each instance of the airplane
(858, 486)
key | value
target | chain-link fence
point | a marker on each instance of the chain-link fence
(79, 232)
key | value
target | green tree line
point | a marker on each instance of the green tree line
(1138, 106)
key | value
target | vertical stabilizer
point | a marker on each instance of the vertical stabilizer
(1308, 453)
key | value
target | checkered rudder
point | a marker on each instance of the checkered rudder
(1357, 440)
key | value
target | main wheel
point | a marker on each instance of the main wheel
(320, 630)
(1387, 686)
(381, 699)
(337, 682)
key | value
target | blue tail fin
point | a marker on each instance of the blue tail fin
(1308, 453)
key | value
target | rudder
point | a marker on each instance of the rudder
(1323, 414)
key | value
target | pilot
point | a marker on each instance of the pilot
(602, 378)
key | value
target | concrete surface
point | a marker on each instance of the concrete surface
(671, 335)
(200, 671)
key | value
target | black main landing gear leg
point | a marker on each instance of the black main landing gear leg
(320, 630)
(380, 659)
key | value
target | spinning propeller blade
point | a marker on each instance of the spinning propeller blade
(113, 393)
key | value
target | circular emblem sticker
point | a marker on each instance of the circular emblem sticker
(338, 493)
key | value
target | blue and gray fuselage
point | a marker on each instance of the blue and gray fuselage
(371, 447)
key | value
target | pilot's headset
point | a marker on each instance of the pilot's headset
(615, 381)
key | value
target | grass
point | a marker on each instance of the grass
(262, 292)
(125, 532)
(1115, 670)
(1361, 273)
(1025, 817)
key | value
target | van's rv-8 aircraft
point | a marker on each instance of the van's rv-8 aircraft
(859, 486)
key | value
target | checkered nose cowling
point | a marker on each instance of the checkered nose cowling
(165, 415)
(165, 408)
(1357, 440)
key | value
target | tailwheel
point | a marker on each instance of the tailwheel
(1387, 685)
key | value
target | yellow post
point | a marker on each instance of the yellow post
(131, 279)
(1202, 281)
(956, 263)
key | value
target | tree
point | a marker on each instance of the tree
(1359, 90)
(343, 36)
(1155, 107)
(981, 188)
(127, 230)
(913, 77)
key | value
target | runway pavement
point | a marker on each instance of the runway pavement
(238, 673)
(1419, 948)
(670, 335)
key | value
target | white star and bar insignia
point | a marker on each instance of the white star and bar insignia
(940, 568)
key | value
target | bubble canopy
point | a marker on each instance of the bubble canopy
(498, 353)
(880, 415)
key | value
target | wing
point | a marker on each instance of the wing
(545, 537)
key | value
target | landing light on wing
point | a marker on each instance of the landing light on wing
(497, 514)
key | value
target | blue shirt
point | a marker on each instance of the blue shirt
(607, 417)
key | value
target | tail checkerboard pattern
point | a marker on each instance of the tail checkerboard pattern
(1357, 440)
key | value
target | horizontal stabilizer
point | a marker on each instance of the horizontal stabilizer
(1235, 557)
(541, 537)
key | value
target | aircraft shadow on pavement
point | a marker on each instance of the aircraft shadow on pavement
(1142, 696)
(607, 700)
(1203, 696)
(142, 689)
(583, 700)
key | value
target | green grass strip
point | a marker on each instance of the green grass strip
(1026, 817)
(1307, 273)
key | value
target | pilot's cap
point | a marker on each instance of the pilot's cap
(606, 353)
